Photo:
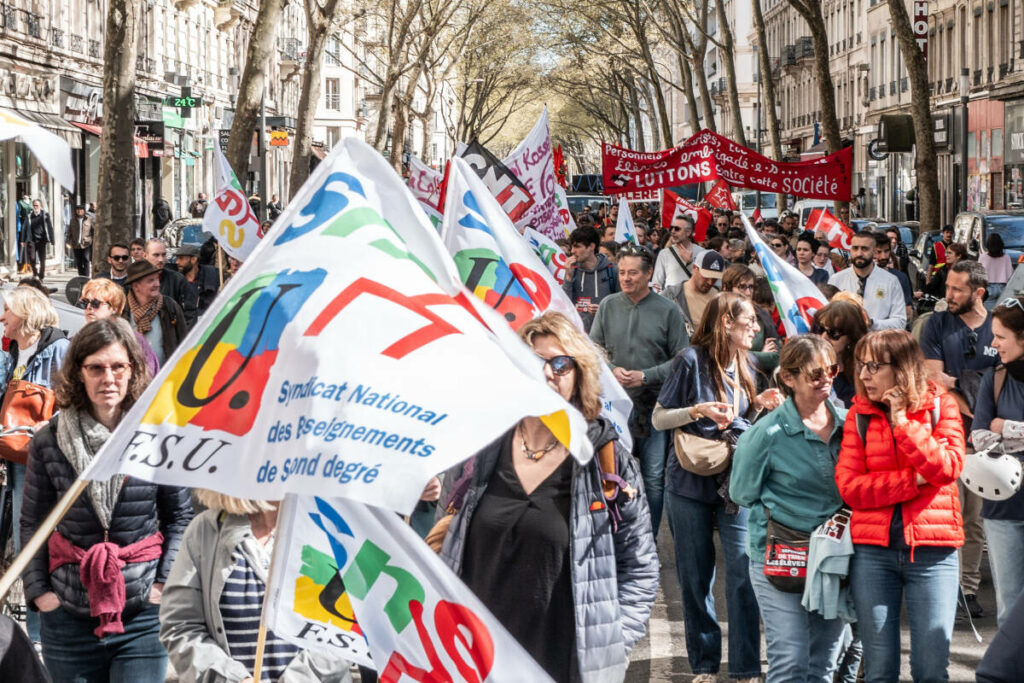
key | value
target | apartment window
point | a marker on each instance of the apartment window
(990, 35)
(1004, 34)
(332, 94)
(963, 37)
(977, 43)
(332, 52)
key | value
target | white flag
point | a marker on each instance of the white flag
(344, 358)
(229, 217)
(49, 149)
(548, 252)
(533, 164)
(625, 231)
(425, 182)
(422, 623)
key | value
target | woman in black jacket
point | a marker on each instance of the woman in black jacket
(97, 583)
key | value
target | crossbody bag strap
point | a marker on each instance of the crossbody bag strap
(672, 250)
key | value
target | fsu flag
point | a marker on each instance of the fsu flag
(837, 233)
(673, 206)
(720, 196)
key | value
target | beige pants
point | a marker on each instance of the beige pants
(974, 541)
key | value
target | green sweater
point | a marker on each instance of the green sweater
(644, 336)
(782, 465)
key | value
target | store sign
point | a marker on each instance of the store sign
(940, 123)
(81, 103)
(278, 138)
(1013, 149)
(223, 136)
(921, 25)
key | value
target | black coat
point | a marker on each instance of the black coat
(142, 509)
(174, 285)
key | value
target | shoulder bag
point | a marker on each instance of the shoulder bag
(25, 404)
(785, 556)
(701, 456)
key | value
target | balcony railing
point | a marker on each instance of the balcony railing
(33, 25)
(332, 101)
(977, 77)
(1004, 69)
(94, 49)
(871, 94)
(56, 37)
(9, 16)
(892, 87)
(904, 84)
(77, 43)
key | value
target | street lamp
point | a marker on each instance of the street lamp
(964, 87)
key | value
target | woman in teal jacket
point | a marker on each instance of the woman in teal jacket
(785, 466)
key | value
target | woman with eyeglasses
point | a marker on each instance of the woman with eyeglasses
(784, 467)
(902, 452)
(712, 393)
(102, 298)
(765, 347)
(842, 324)
(999, 424)
(97, 582)
(570, 573)
(806, 247)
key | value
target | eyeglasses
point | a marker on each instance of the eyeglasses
(120, 258)
(561, 365)
(96, 371)
(90, 303)
(972, 339)
(748, 321)
(872, 366)
(744, 288)
(834, 335)
(819, 375)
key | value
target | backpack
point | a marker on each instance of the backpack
(863, 420)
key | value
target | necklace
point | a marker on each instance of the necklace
(536, 455)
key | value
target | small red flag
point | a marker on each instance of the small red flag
(720, 196)
(836, 232)
(672, 206)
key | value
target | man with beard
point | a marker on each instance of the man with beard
(957, 345)
(883, 259)
(694, 295)
(879, 289)
(202, 282)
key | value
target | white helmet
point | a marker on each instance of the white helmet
(991, 475)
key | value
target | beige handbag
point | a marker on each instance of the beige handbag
(702, 456)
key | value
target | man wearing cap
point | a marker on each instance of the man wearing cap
(202, 282)
(675, 261)
(694, 295)
(79, 239)
(156, 317)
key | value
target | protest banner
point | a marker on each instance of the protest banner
(566, 220)
(49, 149)
(533, 164)
(229, 217)
(513, 196)
(796, 297)
(720, 196)
(421, 622)
(624, 170)
(673, 206)
(550, 254)
(835, 231)
(425, 182)
(625, 230)
(336, 360)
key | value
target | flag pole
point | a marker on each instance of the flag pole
(20, 563)
(220, 264)
(261, 634)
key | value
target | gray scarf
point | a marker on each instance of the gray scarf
(80, 436)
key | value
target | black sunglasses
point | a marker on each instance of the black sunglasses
(561, 365)
(120, 258)
(834, 335)
(972, 339)
(90, 303)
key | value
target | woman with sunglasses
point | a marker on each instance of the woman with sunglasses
(999, 424)
(780, 246)
(535, 539)
(741, 279)
(784, 467)
(902, 452)
(102, 298)
(97, 583)
(711, 393)
(842, 324)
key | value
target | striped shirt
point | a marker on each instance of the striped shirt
(240, 607)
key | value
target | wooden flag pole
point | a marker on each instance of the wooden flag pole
(220, 264)
(30, 549)
(261, 634)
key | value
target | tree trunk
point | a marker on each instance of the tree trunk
(250, 90)
(117, 170)
(387, 99)
(640, 144)
(729, 63)
(428, 116)
(768, 111)
(398, 129)
(697, 65)
(691, 99)
(317, 26)
(652, 120)
(926, 162)
(659, 92)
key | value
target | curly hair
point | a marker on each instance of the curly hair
(93, 338)
(587, 392)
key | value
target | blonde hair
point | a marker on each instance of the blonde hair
(587, 392)
(220, 502)
(107, 290)
(33, 307)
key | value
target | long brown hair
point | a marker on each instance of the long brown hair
(903, 353)
(711, 336)
(847, 318)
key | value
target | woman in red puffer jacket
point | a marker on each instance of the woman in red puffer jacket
(900, 482)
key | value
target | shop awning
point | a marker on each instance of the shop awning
(54, 124)
(818, 150)
(318, 151)
(141, 148)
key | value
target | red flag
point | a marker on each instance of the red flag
(940, 257)
(755, 217)
(837, 233)
(673, 206)
(720, 196)
(559, 160)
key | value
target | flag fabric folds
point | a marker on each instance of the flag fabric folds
(835, 231)
(625, 230)
(229, 217)
(673, 206)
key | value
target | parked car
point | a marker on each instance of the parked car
(183, 231)
(921, 256)
(747, 202)
(972, 228)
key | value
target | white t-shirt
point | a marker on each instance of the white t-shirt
(668, 272)
(883, 296)
(999, 269)
(24, 355)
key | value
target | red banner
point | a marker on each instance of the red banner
(673, 206)
(720, 196)
(825, 178)
(836, 232)
(624, 170)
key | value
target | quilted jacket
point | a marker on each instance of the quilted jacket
(142, 509)
(43, 366)
(614, 574)
(879, 473)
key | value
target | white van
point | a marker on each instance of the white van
(747, 202)
(803, 208)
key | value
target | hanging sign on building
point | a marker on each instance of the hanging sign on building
(278, 138)
(921, 25)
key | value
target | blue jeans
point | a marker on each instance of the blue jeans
(801, 645)
(651, 452)
(16, 483)
(1006, 555)
(850, 655)
(74, 654)
(692, 525)
(879, 578)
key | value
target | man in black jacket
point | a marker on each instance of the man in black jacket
(172, 283)
(202, 282)
(157, 317)
(40, 233)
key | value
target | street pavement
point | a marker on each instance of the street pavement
(661, 656)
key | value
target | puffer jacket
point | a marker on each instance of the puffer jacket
(614, 574)
(880, 473)
(142, 509)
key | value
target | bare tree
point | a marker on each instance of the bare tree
(810, 10)
(767, 104)
(692, 47)
(250, 89)
(926, 161)
(116, 191)
(729, 64)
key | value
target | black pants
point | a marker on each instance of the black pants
(82, 259)
(36, 250)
